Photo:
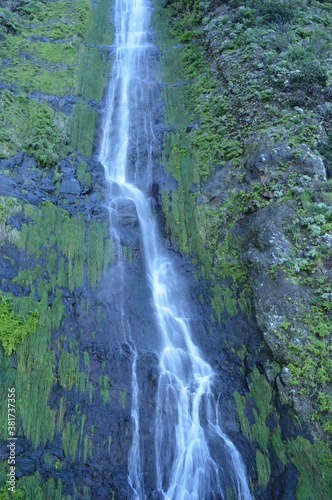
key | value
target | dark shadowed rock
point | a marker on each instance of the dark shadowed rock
(124, 211)
(311, 164)
(70, 186)
(8, 186)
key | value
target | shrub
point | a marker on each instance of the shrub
(310, 78)
(276, 11)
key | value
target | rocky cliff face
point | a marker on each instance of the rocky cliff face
(254, 170)
(244, 197)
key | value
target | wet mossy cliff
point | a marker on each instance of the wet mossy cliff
(251, 202)
(244, 201)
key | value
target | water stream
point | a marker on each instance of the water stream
(194, 458)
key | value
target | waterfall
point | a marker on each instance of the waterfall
(194, 458)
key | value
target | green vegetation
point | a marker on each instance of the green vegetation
(90, 78)
(68, 365)
(311, 459)
(98, 247)
(33, 487)
(82, 128)
(51, 226)
(229, 111)
(240, 402)
(83, 176)
(253, 75)
(263, 468)
(104, 392)
(70, 438)
(31, 126)
(68, 61)
(14, 329)
(51, 61)
(254, 70)
(56, 243)
(8, 207)
(123, 398)
(193, 227)
(278, 445)
(86, 444)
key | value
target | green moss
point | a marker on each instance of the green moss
(107, 254)
(242, 352)
(104, 392)
(229, 494)
(52, 226)
(263, 468)
(90, 390)
(87, 360)
(260, 432)
(7, 378)
(237, 94)
(278, 445)
(68, 369)
(86, 444)
(313, 461)
(123, 398)
(90, 79)
(82, 128)
(67, 67)
(54, 240)
(240, 402)
(14, 329)
(34, 486)
(82, 427)
(83, 176)
(70, 438)
(97, 244)
(9, 206)
(61, 414)
(261, 393)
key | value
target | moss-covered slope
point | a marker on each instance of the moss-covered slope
(54, 248)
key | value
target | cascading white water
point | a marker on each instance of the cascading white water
(194, 458)
(134, 463)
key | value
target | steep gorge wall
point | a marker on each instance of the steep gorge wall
(248, 153)
(243, 194)
(55, 250)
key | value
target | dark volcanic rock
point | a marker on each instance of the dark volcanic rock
(126, 214)
(70, 187)
(276, 298)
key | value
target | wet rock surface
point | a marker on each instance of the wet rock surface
(98, 331)
(93, 316)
